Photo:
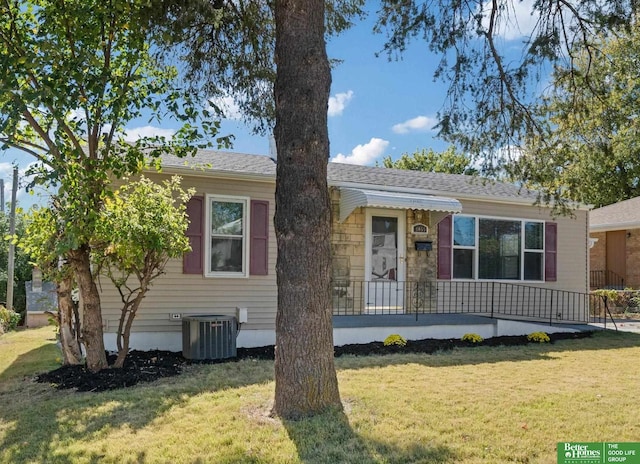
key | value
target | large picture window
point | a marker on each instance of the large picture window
(497, 249)
(227, 241)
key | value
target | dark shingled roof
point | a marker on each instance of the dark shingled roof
(45, 300)
(230, 163)
(431, 182)
(618, 216)
(225, 162)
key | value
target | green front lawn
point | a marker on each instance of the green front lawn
(477, 405)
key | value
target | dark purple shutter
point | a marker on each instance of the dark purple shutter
(444, 249)
(192, 261)
(550, 251)
(259, 238)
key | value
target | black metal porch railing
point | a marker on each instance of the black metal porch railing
(600, 279)
(494, 299)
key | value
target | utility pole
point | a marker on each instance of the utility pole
(12, 247)
(2, 195)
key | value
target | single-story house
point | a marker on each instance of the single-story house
(405, 245)
(41, 300)
(615, 254)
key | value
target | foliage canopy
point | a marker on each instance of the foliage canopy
(448, 161)
(588, 149)
(139, 229)
(490, 103)
(73, 75)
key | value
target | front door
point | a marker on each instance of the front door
(385, 261)
(617, 255)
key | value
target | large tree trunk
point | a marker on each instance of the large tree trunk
(306, 381)
(92, 315)
(71, 353)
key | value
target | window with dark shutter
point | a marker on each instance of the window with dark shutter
(444, 249)
(192, 261)
(259, 238)
(550, 251)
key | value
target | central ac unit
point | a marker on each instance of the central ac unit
(209, 337)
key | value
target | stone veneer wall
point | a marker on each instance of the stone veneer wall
(421, 265)
(347, 245)
(348, 253)
(347, 242)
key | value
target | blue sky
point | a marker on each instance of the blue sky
(377, 107)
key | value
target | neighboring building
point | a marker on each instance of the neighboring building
(615, 255)
(42, 299)
(402, 242)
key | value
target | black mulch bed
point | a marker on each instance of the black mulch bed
(147, 366)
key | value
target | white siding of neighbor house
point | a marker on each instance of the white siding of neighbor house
(187, 294)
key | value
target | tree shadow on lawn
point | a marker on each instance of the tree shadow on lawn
(38, 420)
(329, 438)
(25, 363)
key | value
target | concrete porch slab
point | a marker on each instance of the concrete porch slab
(409, 320)
(368, 328)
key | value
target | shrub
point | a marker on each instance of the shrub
(8, 319)
(472, 338)
(395, 339)
(539, 337)
(627, 299)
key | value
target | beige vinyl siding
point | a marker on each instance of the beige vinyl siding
(572, 257)
(186, 294)
(524, 298)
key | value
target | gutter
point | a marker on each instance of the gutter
(204, 172)
(614, 226)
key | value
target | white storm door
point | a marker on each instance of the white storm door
(385, 249)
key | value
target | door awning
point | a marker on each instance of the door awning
(351, 198)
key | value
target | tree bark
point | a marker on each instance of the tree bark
(92, 335)
(71, 354)
(305, 375)
(127, 316)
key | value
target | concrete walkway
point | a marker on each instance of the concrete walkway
(623, 325)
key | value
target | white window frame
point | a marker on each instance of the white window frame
(246, 227)
(476, 248)
(532, 250)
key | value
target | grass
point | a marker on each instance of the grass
(27, 351)
(480, 405)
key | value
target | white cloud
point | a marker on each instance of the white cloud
(339, 102)
(509, 153)
(5, 169)
(363, 154)
(228, 106)
(516, 20)
(6, 173)
(131, 135)
(77, 115)
(417, 124)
